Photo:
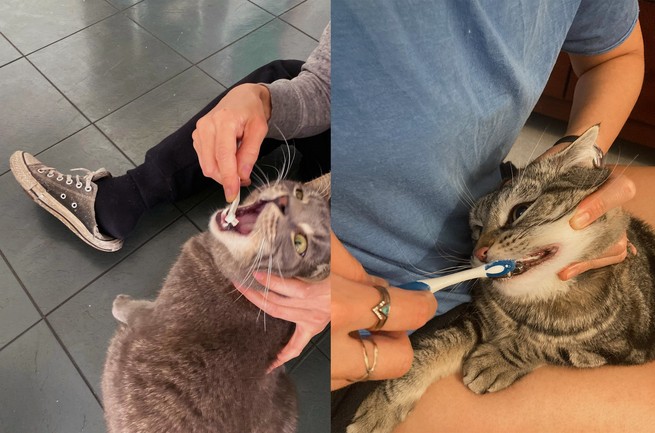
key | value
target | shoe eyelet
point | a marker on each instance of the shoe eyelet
(40, 170)
(60, 178)
(74, 205)
(51, 174)
(69, 182)
(63, 196)
(88, 189)
(78, 185)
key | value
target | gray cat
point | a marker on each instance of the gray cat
(195, 359)
(516, 324)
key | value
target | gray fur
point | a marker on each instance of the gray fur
(195, 359)
(603, 316)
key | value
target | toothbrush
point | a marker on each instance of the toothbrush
(230, 217)
(496, 269)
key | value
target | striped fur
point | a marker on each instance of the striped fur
(514, 325)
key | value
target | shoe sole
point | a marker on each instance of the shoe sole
(40, 196)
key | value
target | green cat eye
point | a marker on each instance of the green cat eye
(300, 243)
(298, 193)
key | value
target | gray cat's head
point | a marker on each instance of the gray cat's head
(527, 219)
(284, 228)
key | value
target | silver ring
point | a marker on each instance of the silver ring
(369, 368)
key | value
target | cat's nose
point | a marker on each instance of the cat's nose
(282, 203)
(481, 254)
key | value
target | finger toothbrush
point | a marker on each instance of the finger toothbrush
(496, 269)
(230, 212)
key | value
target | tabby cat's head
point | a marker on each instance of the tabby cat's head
(527, 219)
(283, 229)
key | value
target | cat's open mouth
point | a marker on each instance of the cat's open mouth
(247, 215)
(534, 259)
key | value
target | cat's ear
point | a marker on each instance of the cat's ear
(583, 152)
(321, 185)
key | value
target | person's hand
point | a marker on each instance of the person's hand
(615, 192)
(241, 116)
(305, 304)
(353, 296)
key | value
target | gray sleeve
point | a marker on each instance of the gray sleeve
(300, 107)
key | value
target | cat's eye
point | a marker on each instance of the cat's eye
(476, 231)
(300, 243)
(298, 193)
(517, 211)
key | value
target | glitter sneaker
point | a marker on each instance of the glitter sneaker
(69, 197)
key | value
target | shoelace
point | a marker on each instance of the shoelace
(87, 178)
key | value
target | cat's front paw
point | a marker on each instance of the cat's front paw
(377, 414)
(486, 370)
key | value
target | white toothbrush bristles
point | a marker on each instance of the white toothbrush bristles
(231, 218)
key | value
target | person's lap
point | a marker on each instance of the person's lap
(550, 399)
(605, 399)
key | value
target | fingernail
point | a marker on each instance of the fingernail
(568, 273)
(580, 221)
(230, 194)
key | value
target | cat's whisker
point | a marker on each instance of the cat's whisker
(464, 194)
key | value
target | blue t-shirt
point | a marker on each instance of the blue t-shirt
(427, 99)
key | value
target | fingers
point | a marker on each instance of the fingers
(615, 192)
(225, 148)
(409, 310)
(394, 357)
(203, 138)
(294, 347)
(289, 287)
(247, 154)
(240, 116)
(614, 254)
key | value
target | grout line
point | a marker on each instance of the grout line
(70, 356)
(116, 12)
(110, 268)
(279, 16)
(52, 330)
(142, 26)
(20, 335)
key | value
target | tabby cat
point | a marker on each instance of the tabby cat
(518, 323)
(195, 360)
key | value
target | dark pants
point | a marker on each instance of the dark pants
(171, 170)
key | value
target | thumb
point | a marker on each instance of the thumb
(294, 347)
(613, 193)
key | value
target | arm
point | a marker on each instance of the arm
(300, 107)
(608, 87)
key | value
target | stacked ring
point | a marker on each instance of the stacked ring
(369, 368)
(382, 308)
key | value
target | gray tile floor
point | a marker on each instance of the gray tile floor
(96, 83)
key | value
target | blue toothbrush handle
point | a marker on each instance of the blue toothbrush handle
(498, 268)
(415, 285)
